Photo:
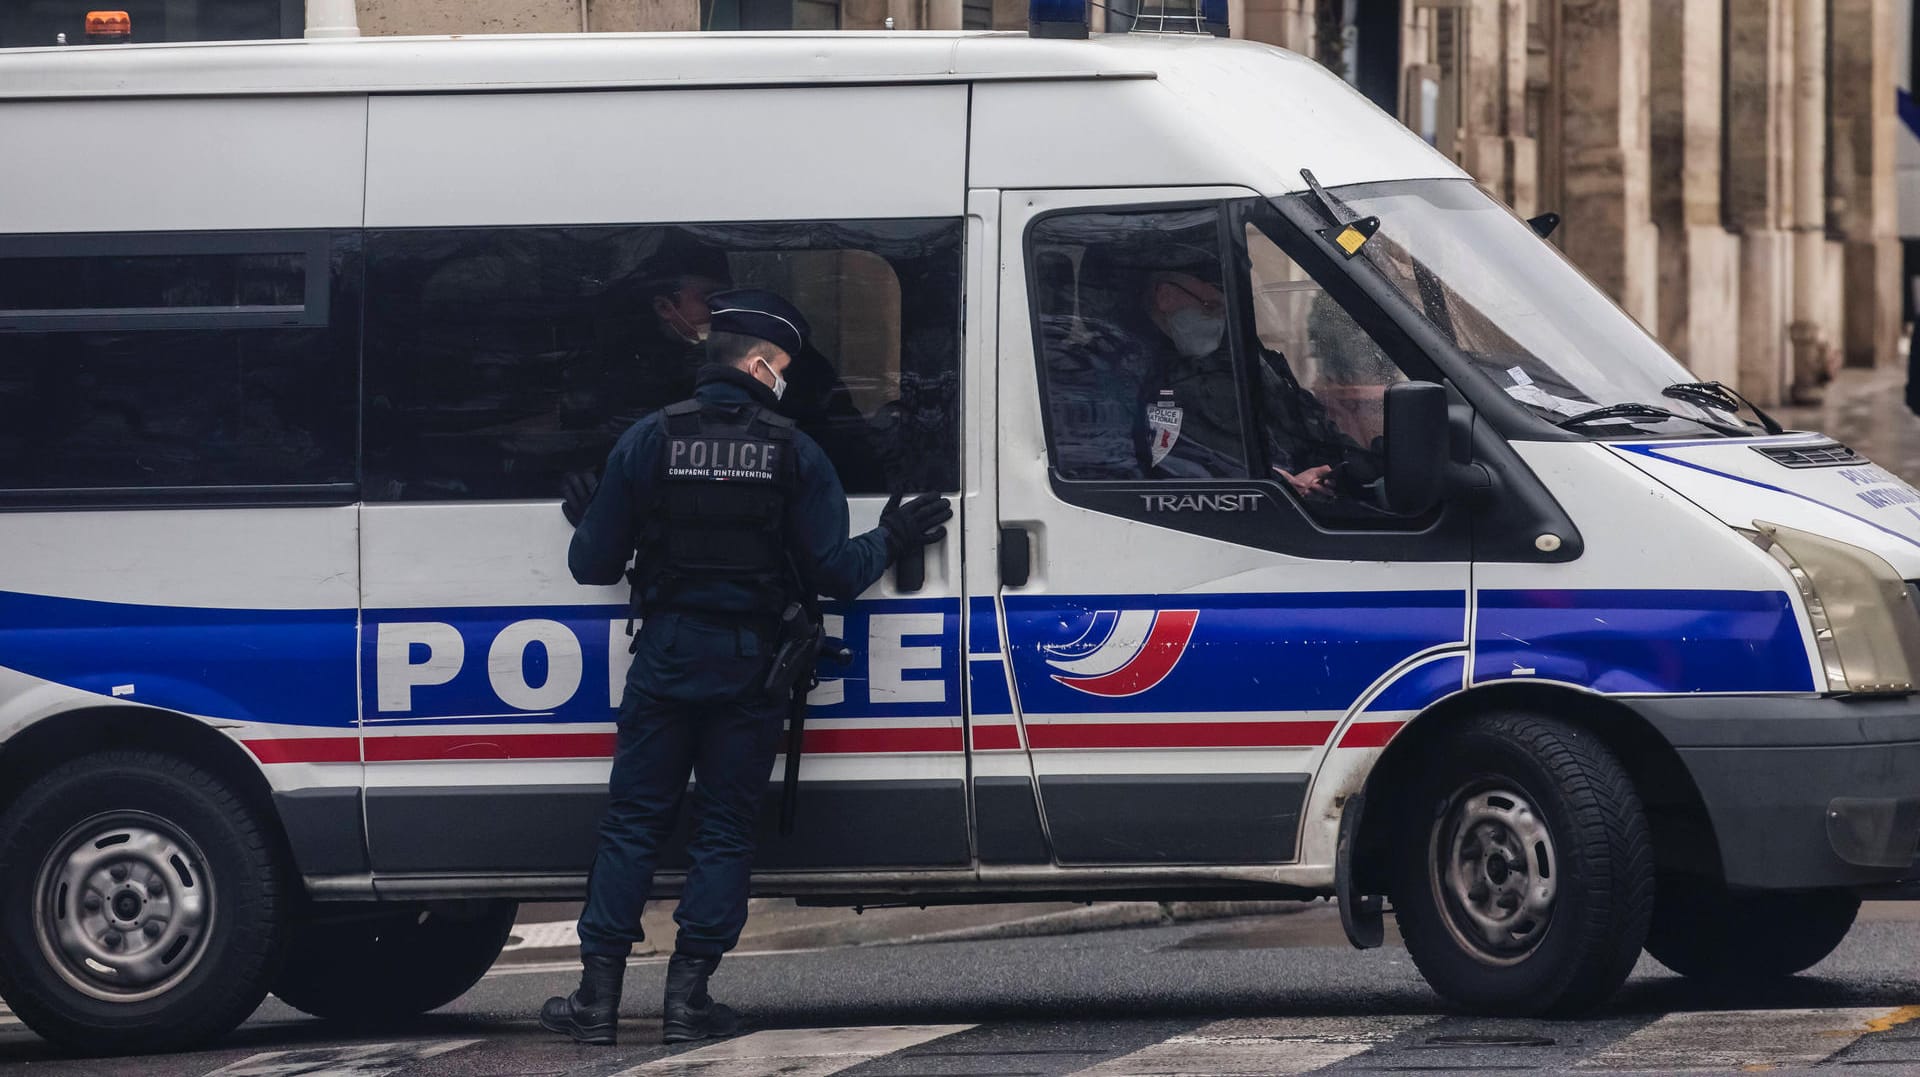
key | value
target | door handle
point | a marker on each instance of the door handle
(910, 571)
(1016, 557)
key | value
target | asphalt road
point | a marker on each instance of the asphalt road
(1252, 997)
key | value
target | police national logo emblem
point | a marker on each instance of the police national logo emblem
(1123, 652)
(1163, 424)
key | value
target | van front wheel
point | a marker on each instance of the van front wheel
(140, 905)
(1523, 881)
(1701, 930)
(359, 963)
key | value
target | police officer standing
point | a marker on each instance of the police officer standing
(732, 512)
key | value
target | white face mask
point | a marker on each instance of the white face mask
(1196, 333)
(779, 383)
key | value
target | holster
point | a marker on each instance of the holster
(796, 650)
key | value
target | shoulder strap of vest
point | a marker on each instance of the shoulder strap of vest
(682, 417)
(778, 426)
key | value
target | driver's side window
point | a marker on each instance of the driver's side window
(1321, 388)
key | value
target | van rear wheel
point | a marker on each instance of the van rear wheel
(1523, 881)
(366, 963)
(1703, 931)
(140, 905)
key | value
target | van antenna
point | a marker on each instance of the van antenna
(1335, 211)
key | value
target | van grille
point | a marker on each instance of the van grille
(1818, 454)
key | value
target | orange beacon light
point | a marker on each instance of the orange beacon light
(109, 28)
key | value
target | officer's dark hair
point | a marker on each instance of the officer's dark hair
(735, 349)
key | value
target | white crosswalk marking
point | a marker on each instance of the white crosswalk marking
(1740, 1039)
(795, 1052)
(360, 1060)
(1257, 1047)
(7, 1019)
(560, 934)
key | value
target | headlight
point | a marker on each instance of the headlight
(1866, 625)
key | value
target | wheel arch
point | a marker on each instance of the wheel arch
(1683, 835)
(68, 735)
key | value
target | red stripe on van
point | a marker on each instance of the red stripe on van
(995, 738)
(858, 741)
(306, 750)
(416, 748)
(1180, 735)
(1369, 734)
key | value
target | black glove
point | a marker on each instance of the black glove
(576, 493)
(915, 524)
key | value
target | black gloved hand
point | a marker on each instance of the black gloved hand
(915, 524)
(576, 493)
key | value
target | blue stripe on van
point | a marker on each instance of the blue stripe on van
(1653, 641)
(1272, 652)
(1423, 685)
(290, 666)
(983, 626)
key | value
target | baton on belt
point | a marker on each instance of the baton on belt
(832, 650)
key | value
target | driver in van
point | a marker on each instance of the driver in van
(1193, 423)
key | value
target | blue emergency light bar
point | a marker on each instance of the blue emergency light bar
(1068, 18)
(1057, 18)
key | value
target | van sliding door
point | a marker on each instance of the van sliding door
(517, 326)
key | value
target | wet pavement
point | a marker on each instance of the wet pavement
(1866, 410)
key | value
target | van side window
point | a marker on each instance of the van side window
(1137, 362)
(1323, 384)
(500, 359)
(157, 366)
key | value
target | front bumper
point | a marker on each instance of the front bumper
(1803, 792)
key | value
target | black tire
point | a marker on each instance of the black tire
(1702, 931)
(187, 901)
(1523, 876)
(386, 962)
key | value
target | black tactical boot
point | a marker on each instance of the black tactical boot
(689, 1012)
(591, 1014)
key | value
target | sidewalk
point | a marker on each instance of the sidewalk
(546, 931)
(1866, 409)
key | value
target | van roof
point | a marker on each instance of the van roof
(580, 61)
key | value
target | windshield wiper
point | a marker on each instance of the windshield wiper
(1635, 410)
(1718, 395)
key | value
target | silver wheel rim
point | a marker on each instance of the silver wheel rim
(1494, 873)
(123, 906)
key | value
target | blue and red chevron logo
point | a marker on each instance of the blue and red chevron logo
(1123, 652)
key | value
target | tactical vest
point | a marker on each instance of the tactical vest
(726, 475)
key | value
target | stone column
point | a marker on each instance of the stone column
(1809, 174)
(1494, 145)
(1862, 200)
(629, 15)
(1699, 261)
(1286, 23)
(1755, 195)
(863, 14)
(1009, 14)
(469, 16)
(1609, 231)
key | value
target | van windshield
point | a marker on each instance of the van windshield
(1531, 321)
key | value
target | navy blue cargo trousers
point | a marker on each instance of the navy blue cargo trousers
(728, 749)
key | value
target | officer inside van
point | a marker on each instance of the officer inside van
(734, 515)
(1193, 419)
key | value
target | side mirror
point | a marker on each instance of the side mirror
(1417, 443)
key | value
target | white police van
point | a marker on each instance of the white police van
(1322, 531)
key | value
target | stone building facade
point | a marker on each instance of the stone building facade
(1725, 168)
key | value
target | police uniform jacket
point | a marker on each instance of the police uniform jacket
(711, 621)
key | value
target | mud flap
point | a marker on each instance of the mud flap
(1360, 914)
